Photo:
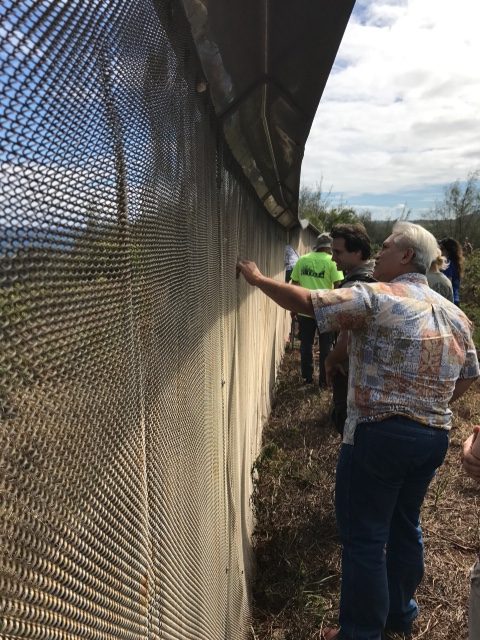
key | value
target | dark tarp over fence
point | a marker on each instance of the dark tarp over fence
(267, 63)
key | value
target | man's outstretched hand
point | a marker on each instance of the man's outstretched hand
(291, 298)
(250, 271)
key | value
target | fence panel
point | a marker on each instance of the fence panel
(135, 371)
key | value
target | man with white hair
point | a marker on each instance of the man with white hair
(411, 353)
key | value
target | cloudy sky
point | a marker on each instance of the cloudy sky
(400, 115)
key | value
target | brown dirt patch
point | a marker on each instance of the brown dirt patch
(297, 551)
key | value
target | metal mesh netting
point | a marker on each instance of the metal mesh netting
(135, 372)
(303, 240)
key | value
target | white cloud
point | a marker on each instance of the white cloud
(401, 109)
(40, 195)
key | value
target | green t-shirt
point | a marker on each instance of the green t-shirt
(316, 270)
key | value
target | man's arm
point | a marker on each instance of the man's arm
(336, 358)
(295, 299)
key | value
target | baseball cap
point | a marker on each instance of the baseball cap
(323, 240)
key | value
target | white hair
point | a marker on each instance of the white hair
(422, 242)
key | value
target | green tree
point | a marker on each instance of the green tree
(317, 208)
(377, 230)
(458, 214)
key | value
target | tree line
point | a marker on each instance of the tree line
(457, 215)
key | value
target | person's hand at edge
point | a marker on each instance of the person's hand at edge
(291, 298)
(470, 461)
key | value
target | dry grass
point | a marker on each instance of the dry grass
(298, 556)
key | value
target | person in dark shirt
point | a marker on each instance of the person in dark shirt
(453, 252)
(352, 251)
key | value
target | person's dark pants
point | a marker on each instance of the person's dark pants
(307, 331)
(381, 482)
(339, 397)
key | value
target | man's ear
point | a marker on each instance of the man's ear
(408, 255)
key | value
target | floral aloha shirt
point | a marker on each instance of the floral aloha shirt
(408, 345)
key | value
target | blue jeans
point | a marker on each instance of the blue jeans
(380, 486)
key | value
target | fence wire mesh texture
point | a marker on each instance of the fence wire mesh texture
(135, 371)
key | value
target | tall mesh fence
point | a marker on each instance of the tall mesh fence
(303, 240)
(135, 371)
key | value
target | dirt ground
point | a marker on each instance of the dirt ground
(297, 551)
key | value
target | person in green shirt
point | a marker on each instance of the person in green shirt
(315, 270)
